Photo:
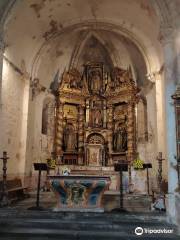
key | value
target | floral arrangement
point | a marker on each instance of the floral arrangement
(138, 163)
(51, 163)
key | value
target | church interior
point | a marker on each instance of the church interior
(89, 100)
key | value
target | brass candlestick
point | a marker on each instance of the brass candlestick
(4, 197)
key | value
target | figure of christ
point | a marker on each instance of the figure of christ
(97, 118)
(95, 78)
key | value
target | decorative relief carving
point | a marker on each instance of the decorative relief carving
(96, 139)
(72, 79)
(120, 113)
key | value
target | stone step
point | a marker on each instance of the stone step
(37, 225)
(79, 235)
(9, 213)
(80, 225)
(90, 220)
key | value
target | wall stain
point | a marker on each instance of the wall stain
(54, 27)
(60, 25)
(59, 53)
(37, 7)
(17, 156)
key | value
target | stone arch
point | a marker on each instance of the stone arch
(47, 124)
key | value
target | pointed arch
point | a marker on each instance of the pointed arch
(80, 46)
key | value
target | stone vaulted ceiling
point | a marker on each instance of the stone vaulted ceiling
(46, 34)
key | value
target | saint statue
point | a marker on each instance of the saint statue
(95, 81)
(70, 140)
(120, 139)
(97, 118)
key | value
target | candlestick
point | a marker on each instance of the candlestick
(4, 200)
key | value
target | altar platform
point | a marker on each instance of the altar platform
(132, 202)
(79, 193)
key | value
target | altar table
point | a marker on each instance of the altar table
(79, 193)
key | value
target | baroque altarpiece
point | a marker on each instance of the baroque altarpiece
(95, 116)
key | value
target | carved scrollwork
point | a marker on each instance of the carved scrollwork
(95, 139)
(72, 79)
(122, 77)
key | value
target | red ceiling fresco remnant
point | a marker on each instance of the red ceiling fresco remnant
(147, 8)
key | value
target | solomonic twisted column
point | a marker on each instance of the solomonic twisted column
(81, 128)
(81, 133)
(131, 131)
(59, 128)
(110, 128)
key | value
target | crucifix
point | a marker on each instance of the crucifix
(160, 159)
(160, 201)
(4, 197)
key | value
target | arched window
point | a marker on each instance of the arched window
(47, 116)
(44, 128)
(142, 129)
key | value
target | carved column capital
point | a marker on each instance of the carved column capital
(176, 95)
(151, 77)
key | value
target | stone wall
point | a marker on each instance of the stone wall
(13, 138)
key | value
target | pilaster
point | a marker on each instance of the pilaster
(167, 41)
(81, 128)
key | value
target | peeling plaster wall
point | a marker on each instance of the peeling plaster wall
(57, 55)
(148, 149)
(12, 139)
(38, 21)
(39, 146)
